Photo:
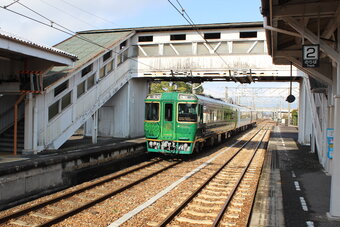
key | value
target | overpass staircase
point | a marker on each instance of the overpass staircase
(67, 123)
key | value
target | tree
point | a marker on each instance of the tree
(180, 86)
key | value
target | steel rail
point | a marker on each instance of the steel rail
(257, 186)
(24, 211)
(173, 214)
(72, 212)
(231, 195)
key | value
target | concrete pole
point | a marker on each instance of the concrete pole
(302, 115)
(335, 192)
(28, 132)
(288, 124)
(95, 127)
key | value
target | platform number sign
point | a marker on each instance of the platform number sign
(310, 56)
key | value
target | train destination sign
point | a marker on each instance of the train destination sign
(310, 56)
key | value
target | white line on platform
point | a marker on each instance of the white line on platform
(141, 207)
(303, 204)
(293, 174)
(297, 186)
(310, 224)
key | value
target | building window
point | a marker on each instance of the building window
(106, 69)
(216, 35)
(122, 57)
(90, 82)
(53, 110)
(59, 89)
(123, 45)
(58, 106)
(66, 101)
(248, 34)
(178, 37)
(86, 70)
(107, 56)
(85, 85)
(146, 38)
(81, 89)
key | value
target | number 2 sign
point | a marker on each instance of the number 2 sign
(310, 56)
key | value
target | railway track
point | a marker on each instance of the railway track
(226, 197)
(57, 208)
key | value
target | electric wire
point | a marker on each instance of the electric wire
(89, 13)
(69, 14)
(193, 25)
(66, 31)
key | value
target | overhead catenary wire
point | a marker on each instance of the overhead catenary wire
(89, 13)
(69, 14)
(183, 12)
(62, 28)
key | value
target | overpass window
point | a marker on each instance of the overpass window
(168, 112)
(86, 70)
(59, 89)
(123, 45)
(59, 106)
(66, 101)
(90, 81)
(80, 89)
(53, 110)
(107, 56)
(248, 34)
(146, 38)
(151, 111)
(106, 69)
(216, 35)
(122, 57)
(187, 112)
(178, 37)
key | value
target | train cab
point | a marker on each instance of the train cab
(171, 122)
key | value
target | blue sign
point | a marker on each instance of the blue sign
(330, 142)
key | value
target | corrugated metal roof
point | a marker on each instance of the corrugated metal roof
(12, 37)
(183, 27)
(85, 51)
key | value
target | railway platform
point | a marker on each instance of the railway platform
(294, 190)
(25, 177)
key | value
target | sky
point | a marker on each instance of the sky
(80, 15)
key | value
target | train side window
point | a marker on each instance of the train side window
(151, 111)
(168, 112)
(187, 112)
(201, 113)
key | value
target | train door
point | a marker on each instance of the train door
(168, 122)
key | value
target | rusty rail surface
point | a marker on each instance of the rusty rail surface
(99, 182)
(174, 213)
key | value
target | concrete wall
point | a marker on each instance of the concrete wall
(26, 180)
(138, 93)
(112, 118)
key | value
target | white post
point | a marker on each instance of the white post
(28, 139)
(95, 127)
(302, 114)
(335, 192)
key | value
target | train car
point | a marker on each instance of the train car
(180, 123)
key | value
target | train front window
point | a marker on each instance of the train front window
(187, 112)
(168, 112)
(151, 111)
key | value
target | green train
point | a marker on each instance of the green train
(180, 123)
